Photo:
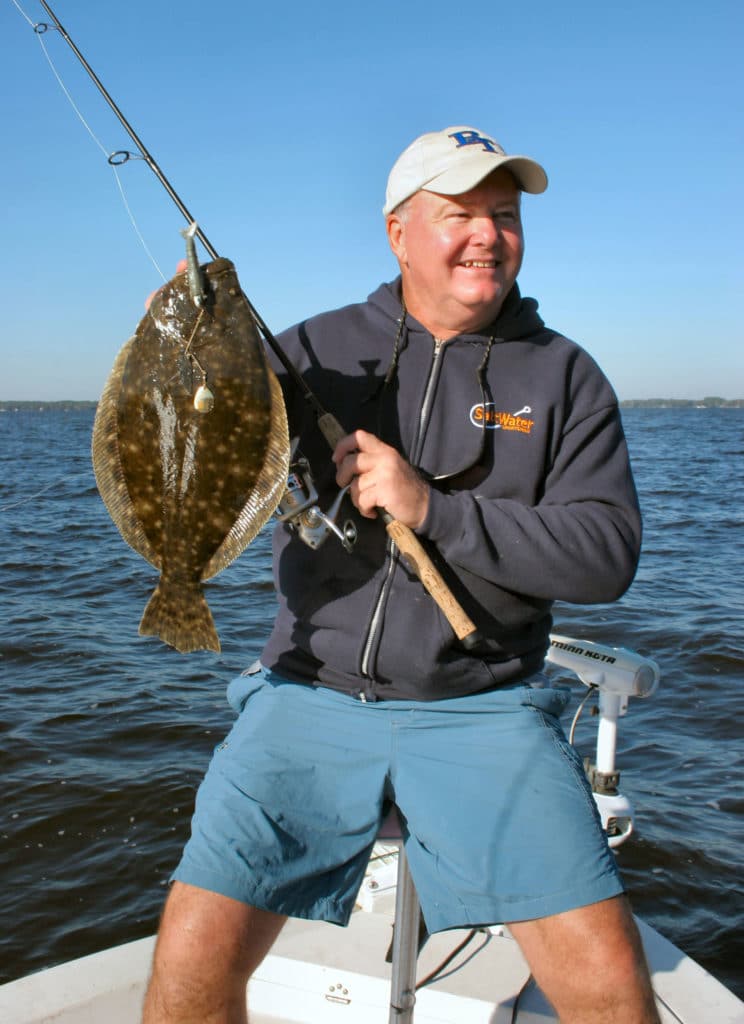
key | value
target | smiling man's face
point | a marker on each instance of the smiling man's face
(459, 255)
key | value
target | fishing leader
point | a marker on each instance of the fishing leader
(500, 443)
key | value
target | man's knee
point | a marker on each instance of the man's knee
(208, 946)
(590, 963)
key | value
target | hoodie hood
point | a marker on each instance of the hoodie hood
(518, 317)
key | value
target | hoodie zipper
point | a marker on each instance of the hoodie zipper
(393, 556)
(428, 397)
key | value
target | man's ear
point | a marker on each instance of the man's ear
(396, 232)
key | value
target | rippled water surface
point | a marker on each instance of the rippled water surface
(104, 735)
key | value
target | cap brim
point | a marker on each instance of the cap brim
(528, 174)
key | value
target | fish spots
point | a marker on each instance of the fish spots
(190, 490)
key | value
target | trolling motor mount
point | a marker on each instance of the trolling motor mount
(617, 674)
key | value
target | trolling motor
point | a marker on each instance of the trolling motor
(299, 508)
(618, 674)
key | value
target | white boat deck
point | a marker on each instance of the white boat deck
(324, 974)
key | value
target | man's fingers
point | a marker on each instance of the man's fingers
(180, 266)
(363, 499)
(357, 441)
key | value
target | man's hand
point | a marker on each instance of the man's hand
(380, 478)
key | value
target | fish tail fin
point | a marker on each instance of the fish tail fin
(180, 616)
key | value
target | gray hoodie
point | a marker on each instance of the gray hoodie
(538, 503)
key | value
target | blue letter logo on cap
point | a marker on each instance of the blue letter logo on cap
(472, 138)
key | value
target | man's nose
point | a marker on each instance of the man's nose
(486, 230)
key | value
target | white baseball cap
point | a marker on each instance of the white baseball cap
(455, 160)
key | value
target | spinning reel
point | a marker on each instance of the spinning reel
(299, 509)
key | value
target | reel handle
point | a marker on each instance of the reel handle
(414, 555)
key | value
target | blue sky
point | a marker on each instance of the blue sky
(278, 123)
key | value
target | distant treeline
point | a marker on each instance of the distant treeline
(712, 402)
(66, 404)
(627, 403)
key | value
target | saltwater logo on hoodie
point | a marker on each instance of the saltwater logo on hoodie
(497, 420)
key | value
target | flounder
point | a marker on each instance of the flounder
(190, 446)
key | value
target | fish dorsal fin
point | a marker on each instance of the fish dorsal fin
(107, 467)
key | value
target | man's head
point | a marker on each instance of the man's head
(453, 221)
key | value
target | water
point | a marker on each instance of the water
(104, 735)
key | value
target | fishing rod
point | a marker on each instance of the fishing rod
(410, 547)
(121, 156)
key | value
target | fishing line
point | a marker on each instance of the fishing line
(22, 13)
(37, 494)
(114, 159)
(29, 497)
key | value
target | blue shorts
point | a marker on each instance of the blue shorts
(499, 822)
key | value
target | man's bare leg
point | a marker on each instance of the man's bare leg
(208, 946)
(590, 964)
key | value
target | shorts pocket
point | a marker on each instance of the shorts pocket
(551, 700)
(242, 688)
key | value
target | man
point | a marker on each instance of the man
(499, 442)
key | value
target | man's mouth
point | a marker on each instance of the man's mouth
(482, 264)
